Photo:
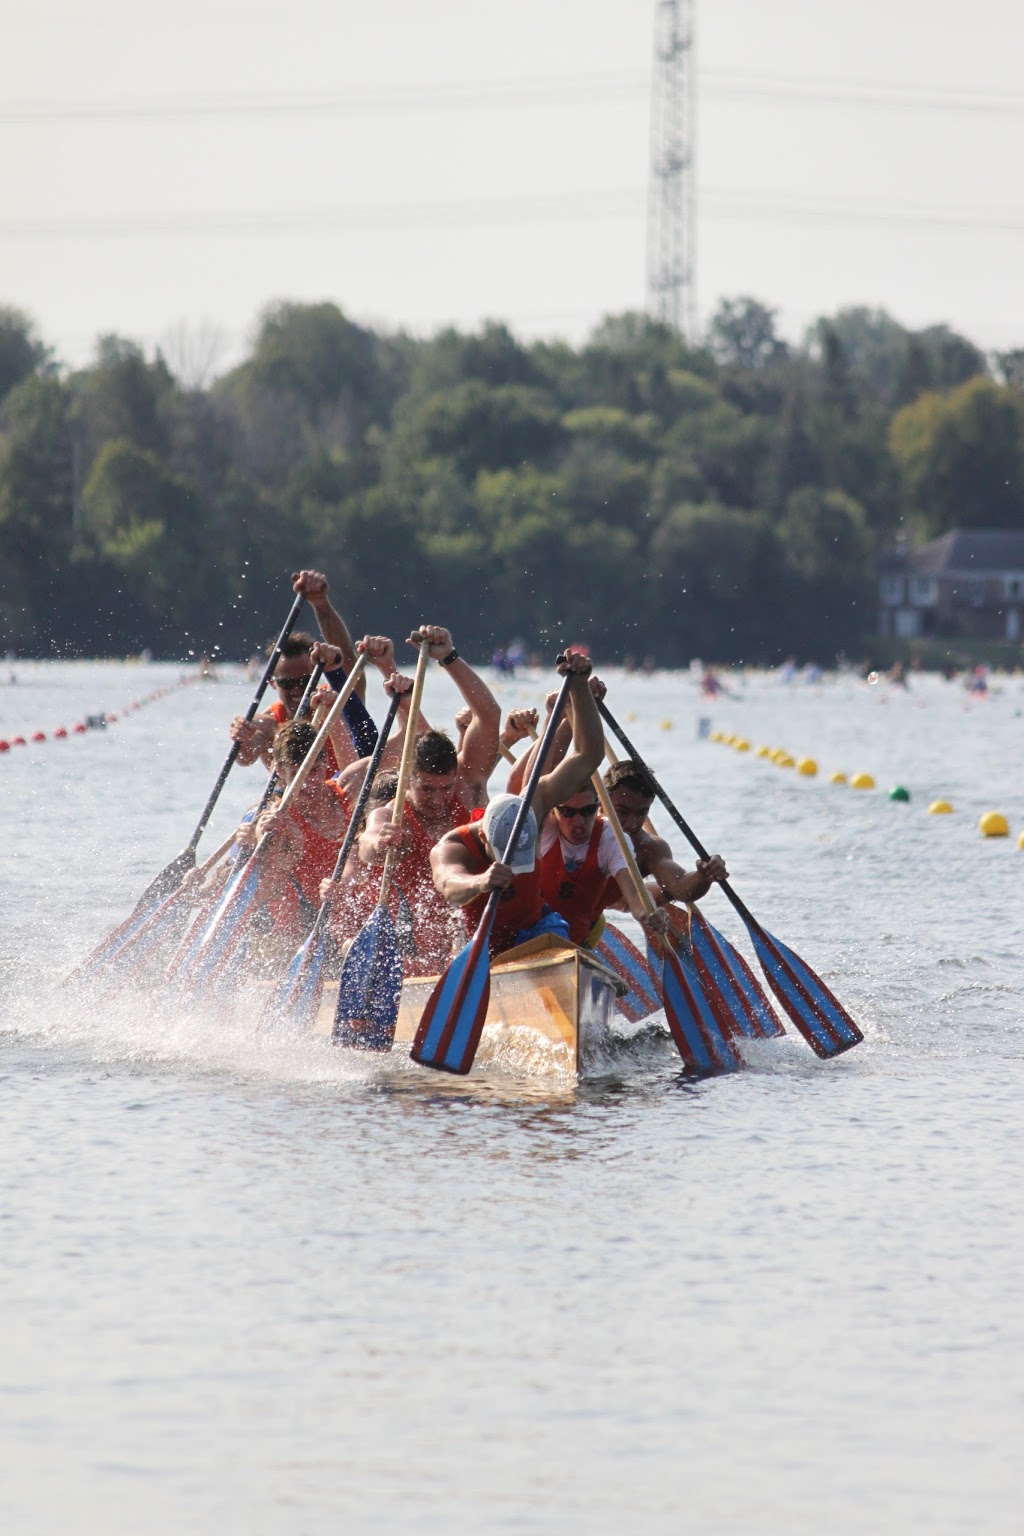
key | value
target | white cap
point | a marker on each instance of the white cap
(498, 819)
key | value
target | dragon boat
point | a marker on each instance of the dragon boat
(551, 1007)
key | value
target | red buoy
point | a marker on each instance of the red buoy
(60, 733)
(18, 741)
(38, 735)
(79, 729)
(5, 746)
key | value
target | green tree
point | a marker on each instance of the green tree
(21, 351)
(961, 457)
(742, 335)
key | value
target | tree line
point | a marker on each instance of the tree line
(648, 498)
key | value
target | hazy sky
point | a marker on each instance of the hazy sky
(170, 165)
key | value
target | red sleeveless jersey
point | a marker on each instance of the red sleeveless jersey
(281, 715)
(579, 895)
(520, 906)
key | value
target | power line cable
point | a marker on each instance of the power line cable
(506, 94)
(600, 204)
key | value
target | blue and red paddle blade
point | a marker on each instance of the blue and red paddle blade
(816, 1012)
(452, 1022)
(619, 955)
(692, 1023)
(208, 950)
(370, 986)
(739, 1000)
(298, 993)
(153, 940)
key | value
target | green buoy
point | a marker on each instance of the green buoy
(899, 793)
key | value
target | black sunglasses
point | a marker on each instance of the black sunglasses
(292, 684)
(576, 810)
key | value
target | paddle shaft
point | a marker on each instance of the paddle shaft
(229, 761)
(405, 768)
(305, 768)
(675, 814)
(625, 846)
(478, 948)
(352, 831)
(274, 779)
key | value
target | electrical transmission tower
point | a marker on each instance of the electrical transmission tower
(671, 226)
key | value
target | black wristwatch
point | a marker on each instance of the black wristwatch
(446, 661)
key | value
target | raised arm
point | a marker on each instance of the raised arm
(478, 753)
(574, 771)
(314, 588)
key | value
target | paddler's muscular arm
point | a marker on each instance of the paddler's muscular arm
(654, 857)
(479, 753)
(314, 588)
(574, 772)
(255, 738)
(455, 877)
(379, 836)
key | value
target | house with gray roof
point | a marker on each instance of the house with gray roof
(962, 584)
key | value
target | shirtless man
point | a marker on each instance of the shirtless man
(466, 862)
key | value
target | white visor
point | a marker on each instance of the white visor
(497, 823)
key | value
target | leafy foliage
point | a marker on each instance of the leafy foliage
(636, 494)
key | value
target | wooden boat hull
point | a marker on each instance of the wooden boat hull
(551, 1007)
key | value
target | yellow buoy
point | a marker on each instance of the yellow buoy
(668, 725)
(715, 736)
(807, 766)
(837, 778)
(776, 752)
(785, 761)
(741, 745)
(764, 752)
(862, 781)
(940, 808)
(1020, 841)
(994, 824)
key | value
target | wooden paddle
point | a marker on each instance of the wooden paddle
(692, 1023)
(298, 994)
(210, 955)
(736, 997)
(817, 1013)
(453, 1020)
(171, 875)
(371, 978)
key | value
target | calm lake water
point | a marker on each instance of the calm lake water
(248, 1285)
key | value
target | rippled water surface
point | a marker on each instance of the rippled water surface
(247, 1285)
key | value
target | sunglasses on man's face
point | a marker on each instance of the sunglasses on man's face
(576, 810)
(293, 684)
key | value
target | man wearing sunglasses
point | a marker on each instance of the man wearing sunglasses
(582, 868)
(466, 863)
(299, 655)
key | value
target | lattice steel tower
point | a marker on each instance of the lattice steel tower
(671, 226)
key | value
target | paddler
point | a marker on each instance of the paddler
(299, 655)
(466, 863)
(632, 794)
(446, 784)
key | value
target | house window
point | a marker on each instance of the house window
(891, 588)
(974, 591)
(923, 591)
(908, 624)
(1014, 586)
